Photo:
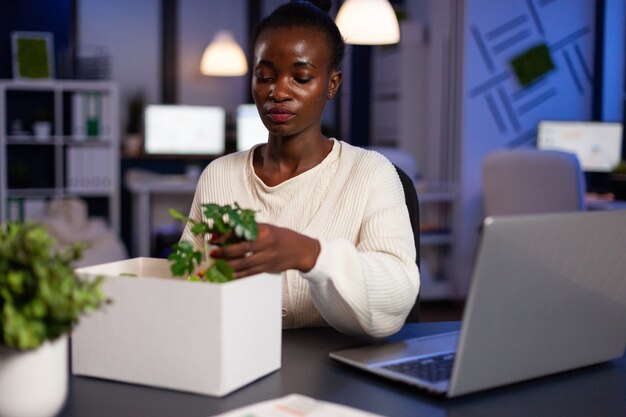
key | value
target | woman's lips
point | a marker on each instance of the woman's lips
(280, 115)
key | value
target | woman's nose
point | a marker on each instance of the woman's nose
(280, 90)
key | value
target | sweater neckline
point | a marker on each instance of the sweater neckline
(255, 179)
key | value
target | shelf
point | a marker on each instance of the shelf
(67, 140)
(89, 141)
(34, 192)
(52, 85)
(32, 168)
(28, 140)
(432, 238)
(435, 191)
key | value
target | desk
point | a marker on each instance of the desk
(306, 369)
(143, 185)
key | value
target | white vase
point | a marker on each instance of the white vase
(33, 383)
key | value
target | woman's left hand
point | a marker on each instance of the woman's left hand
(276, 249)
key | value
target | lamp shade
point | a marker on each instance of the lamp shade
(368, 22)
(223, 57)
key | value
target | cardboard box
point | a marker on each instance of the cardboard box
(171, 333)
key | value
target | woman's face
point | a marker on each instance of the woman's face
(292, 80)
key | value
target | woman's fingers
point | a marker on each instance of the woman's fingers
(276, 249)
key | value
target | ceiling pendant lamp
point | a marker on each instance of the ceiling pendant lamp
(368, 22)
(223, 57)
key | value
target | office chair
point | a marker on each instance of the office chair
(528, 181)
(400, 159)
(412, 203)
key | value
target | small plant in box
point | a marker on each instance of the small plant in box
(224, 225)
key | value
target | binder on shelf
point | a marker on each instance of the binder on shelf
(106, 130)
(93, 113)
(88, 169)
(91, 116)
(15, 210)
(79, 131)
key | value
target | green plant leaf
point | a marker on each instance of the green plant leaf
(223, 226)
(200, 229)
(175, 214)
(40, 296)
(220, 272)
(184, 258)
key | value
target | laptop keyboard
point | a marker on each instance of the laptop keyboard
(433, 368)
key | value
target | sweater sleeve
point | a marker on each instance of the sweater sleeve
(369, 288)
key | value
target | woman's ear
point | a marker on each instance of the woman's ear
(334, 83)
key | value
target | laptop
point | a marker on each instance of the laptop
(548, 294)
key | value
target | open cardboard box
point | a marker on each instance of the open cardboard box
(167, 332)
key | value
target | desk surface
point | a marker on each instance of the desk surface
(306, 369)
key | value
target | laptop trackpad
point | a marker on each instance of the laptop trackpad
(390, 352)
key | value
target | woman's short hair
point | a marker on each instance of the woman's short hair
(310, 14)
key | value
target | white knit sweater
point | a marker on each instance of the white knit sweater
(365, 280)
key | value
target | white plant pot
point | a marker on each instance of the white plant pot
(33, 383)
(42, 131)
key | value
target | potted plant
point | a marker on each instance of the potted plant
(42, 125)
(224, 226)
(41, 299)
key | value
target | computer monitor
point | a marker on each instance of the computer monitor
(598, 145)
(184, 130)
(250, 128)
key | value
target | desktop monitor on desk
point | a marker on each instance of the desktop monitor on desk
(250, 128)
(598, 145)
(183, 130)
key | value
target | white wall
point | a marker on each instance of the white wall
(131, 33)
(198, 22)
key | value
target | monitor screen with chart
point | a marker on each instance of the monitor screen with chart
(185, 130)
(598, 145)
(250, 128)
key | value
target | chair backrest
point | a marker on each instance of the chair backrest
(401, 159)
(528, 181)
(412, 203)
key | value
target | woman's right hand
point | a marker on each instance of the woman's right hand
(276, 249)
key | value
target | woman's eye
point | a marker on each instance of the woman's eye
(302, 80)
(263, 78)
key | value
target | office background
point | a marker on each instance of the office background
(458, 101)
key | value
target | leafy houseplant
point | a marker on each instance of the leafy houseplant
(41, 299)
(40, 296)
(224, 225)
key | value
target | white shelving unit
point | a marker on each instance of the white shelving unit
(79, 157)
(437, 201)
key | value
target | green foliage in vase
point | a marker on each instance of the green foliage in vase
(41, 298)
(224, 225)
